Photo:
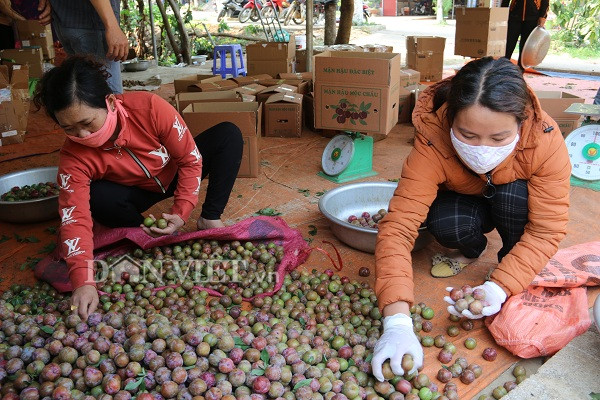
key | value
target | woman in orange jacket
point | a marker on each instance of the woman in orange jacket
(485, 157)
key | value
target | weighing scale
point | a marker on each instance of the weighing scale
(584, 143)
(347, 157)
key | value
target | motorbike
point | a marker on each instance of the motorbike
(251, 11)
(422, 8)
(295, 12)
(231, 9)
(268, 11)
(319, 11)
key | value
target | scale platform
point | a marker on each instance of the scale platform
(348, 157)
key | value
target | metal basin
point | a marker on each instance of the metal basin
(28, 211)
(338, 204)
(134, 66)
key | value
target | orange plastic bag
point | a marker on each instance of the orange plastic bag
(554, 309)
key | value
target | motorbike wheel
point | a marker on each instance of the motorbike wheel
(245, 14)
(254, 16)
(299, 15)
(268, 13)
(221, 15)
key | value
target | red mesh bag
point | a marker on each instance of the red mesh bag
(53, 269)
(554, 309)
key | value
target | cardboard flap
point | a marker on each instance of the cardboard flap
(252, 89)
(297, 75)
(280, 89)
(294, 98)
(20, 77)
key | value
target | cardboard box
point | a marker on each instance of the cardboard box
(250, 90)
(264, 94)
(568, 125)
(426, 55)
(357, 91)
(182, 100)
(247, 117)
(216, 86)
(407, 97)
(31, 57)
(302, 86)
(283, 115)
(182, 83)
(271, 51)
(14, 103)
(248, 80)
(409, 77)
(303, 76)
(555, 103)
(273, 67)
(481, 31)
(32, 33)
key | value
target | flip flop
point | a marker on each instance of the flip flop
(445, 267)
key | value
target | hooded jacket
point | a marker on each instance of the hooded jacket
(540, 158)
(153, 145)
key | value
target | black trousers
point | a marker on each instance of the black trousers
(116, 205)
(459, 221)
(517, 28)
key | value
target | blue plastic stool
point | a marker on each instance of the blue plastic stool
(237, 65)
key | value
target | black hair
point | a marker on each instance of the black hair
(494, 84)
(79, 79)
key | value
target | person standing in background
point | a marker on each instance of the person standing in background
(523, 17)
(7, 16)
(597, 98)
(92, 27)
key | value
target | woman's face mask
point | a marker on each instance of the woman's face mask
(484, 138)
(90, 126)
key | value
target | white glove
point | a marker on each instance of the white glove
(398, 339)
(494, 298)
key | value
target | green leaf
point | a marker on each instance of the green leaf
(269, 212)
(265, 357)
(257, 372)
(394, 180)
(28, 239)
(334, 116)
(240, 343)
(30, 262)
(189, 367)
(4, 238)
(47, 329)
(362, 122)
(353, 122)
(369, 357)
(308, 240)
(305, 192)
(265, 163)
(595, 396)
(51, 229)
(367, 106)
(239, 196)
(303, 382)
(49, 248)
(319, 194)
(256, 186)
(351, 362)
(362, 105)
(134, 384)
(302, 322)
(313, 230)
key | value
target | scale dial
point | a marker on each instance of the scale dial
(584, 151)
(337, 155)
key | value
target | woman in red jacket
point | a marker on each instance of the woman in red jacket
(123, 154)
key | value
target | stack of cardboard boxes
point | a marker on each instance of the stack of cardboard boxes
(33, 34)
(14, 103)
(481, 31)
(426, 55)
(271, 58)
